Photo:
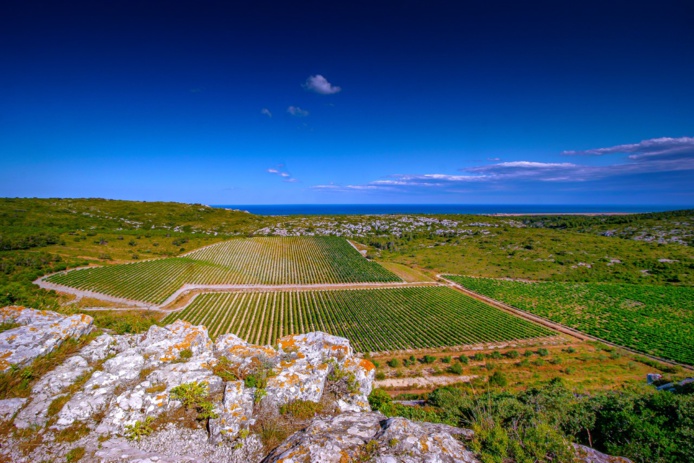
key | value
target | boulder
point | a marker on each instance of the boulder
(589, 455)
(235, 414)
(245, 357)
(40, 333)
(52, 385)
(316, 347)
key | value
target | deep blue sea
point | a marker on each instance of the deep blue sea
(363, 209)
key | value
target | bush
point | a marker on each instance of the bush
(527, 353)
(446, 359)
(512, 354)
(302, 409)
(194, 396)
(496, 355)
(429, 359)
(394, 363)
(478, 357)
(379, 398)
(498, 379)
(464, 359)
(542, 352)
(456, 369)
(139, 429)
(380, 376)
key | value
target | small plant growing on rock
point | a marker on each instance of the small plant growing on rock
(139, 429)
(302, 409)
(394, 363)
(339, 375)
(194, 396)
(380, 376)
(225, 370)
(75, 454)
(185, 355)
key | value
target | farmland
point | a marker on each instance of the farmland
(252, 261)
(373, 319)
(658, 320)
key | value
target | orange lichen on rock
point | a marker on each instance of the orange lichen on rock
(367, 365)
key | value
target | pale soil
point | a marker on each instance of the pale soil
(424, 382)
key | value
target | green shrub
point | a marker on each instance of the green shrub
(139, 429)
(194, 396)
(498, 379)
(394, 363)
(478, 357)
(463, 359)
(446, 359)
(542, 352)
(512, 354)
(379, 398)
(456, 369)
(302, 409)
(380, 376)
(428, 359)
(74, 455)
(496, 355)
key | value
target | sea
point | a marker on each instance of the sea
(473, 209)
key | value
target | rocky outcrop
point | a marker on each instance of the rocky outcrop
(115, 384)
(40, 333)
(371, 437)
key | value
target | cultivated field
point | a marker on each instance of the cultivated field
(373, 319)
(252, 261)
(658, 320)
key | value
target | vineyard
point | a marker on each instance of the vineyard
(658, 320)
(252, 261)
(373, 319)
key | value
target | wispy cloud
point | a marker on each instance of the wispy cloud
(266, 112)
(320, 84)
(297, 111)
(281, 171)
(664, 146)
(648, 158)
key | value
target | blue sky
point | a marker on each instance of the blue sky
(357, 102)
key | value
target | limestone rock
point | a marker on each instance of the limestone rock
(589, 455)
(329, 439)
(297, 380)
(316, 347)
(9, 407)
(235, 414)
(40, 333)
(51, 385)
(244, 356)
(345, 437)
(402, 440)
(165, 344)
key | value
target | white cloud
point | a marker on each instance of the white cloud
(297, 111)
(281, 172)
(266, 112)
(663, 146)
(650, 157)
(320, 84)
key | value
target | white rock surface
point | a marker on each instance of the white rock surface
(9, 407)
(40, 333)
(235, 414)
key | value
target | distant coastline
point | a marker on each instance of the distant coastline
(486, 209)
